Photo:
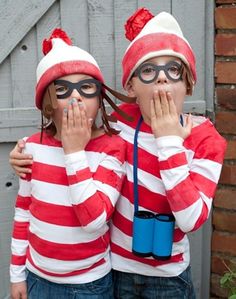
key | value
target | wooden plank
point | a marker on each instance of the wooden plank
(156, 6)
(185, 13)
(16, 19)
(17, 123)
(19, 117)
(122, 11)
(23, 66)
(45, 26)
(74, 20)
(101, 36)
(7, 199)
(5, 84)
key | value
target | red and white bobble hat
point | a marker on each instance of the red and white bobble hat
(154, 36)
(61, 59)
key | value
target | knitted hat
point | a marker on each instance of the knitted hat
(61, 59)
(154, 36)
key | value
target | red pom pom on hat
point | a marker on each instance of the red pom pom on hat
(57, 33)
(136, 22)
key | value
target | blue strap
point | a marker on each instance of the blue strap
(135, 161)
(135, 164)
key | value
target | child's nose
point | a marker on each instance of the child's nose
(75, 94)
(161, 78)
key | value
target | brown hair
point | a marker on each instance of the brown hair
(188, 78)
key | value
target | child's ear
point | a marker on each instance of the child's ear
(129, 88)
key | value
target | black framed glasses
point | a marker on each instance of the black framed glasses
(87, 88)
(148, 72)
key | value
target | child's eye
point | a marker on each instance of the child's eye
(148, 70)
(61, 89)
(174, 69)
(87, 86)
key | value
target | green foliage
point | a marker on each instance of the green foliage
(228, 281)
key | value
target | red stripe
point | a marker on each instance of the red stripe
(79, 176)
(18, 260)
(20, 230)
(23, 202)
(113, 145)
(49, 173)
(183, 195)
(147, 261)
(93, 207)
(54, 214)
(69, 252)
(122, 223)
(126, 226)
(203, 184)
(154, 202)
(174, 161)
(150, 43)
(102, 174)
(72, 273)
(202, 218)
(109, 177)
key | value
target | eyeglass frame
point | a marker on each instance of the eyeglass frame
(71, 86)
(158, 68)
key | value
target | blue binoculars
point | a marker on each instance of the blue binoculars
(153, 235)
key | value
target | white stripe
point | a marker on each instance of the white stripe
(80, 192)
(172, 177)
(207, 168)
(187, 218)
(63, 234)
(21, 215)
(17, 273)
(62, 266)
(24, 188)
(51, 193)
(88, 276)
(131, 266)
(147, 180)
(50, 155)
(18, 246)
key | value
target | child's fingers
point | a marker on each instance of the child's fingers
(76, 114)
(164, 102)
(157, 104)
(64, 119)
(152, 110)
(70, 119)
(84, 120)
(172, 107)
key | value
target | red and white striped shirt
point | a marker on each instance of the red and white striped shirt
(61, 230)
(174, 176)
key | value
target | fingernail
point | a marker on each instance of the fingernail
(65, 110)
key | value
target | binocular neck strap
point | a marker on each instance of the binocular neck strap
(135, 164)
(135, 160)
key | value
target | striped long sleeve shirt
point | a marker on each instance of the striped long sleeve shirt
(174, 176)
(61, 229)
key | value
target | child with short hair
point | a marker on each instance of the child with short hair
(61, 239)
(173, 164)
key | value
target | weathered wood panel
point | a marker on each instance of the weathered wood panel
(96, 26)
(16, 19)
